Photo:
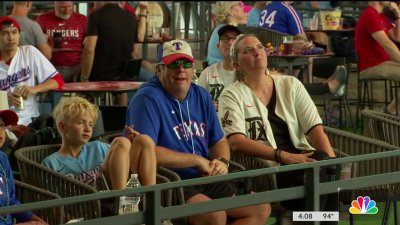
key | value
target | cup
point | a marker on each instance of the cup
(341, 23)
(150, 31)
(345, 172)
(4, 100)
(288, 45)
(164, 33)
(313, 24)
(156, 33)
(306, 23)
(330, 19)
(57, 37)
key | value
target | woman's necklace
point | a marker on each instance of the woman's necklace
(3, 171)
(263, 94)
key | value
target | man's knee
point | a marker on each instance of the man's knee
(212, 218)
(262, 211)
(257, 214)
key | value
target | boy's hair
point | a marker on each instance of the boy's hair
(70, 108)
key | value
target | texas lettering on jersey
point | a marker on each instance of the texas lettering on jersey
(11, 80)
(187, 129)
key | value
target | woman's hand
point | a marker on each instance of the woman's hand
(290, 158)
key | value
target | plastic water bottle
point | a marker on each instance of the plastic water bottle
(130, 203)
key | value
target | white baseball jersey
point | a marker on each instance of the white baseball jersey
(28, 67)
(215, 78)
(241, 111)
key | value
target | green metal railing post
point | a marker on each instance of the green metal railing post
(312, 194)
(153, 204)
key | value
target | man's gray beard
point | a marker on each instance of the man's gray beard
(63, 16)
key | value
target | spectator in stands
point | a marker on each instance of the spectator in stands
(378, 55)
(146, 73)
(128, 7)
(31, 32)
(66, 30)
(253, 18)
(264, 115)
(282, 17)
(226, 13)
(7, 185)
(216, 77)
(86, 161)
(181, 120)
(7, 138)
(316, 5)
(24, 72)
(111, 35)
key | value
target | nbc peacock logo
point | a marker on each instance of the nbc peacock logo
(363, 205)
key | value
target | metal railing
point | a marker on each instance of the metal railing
(155, 213)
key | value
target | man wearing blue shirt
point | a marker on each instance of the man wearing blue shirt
(181, 120)
(282, 17)
(253, 17)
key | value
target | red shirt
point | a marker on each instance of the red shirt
(130, 8)
(370, 52)
(73, 33)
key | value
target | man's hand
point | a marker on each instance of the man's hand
(218, 167)
(14, 99)
(394, 8)
(203, 165)
(143, 5)
(130, 133)
(24, 91)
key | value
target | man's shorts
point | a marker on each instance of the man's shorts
(221, 189)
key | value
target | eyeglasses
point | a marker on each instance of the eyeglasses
(226, 39)
(175, 64)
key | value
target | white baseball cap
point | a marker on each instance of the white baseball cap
(176, 49)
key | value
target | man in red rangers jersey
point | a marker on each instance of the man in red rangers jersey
(66, 29)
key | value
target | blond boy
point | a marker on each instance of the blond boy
(86, 161)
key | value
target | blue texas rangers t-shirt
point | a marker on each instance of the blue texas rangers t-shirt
(190, 125)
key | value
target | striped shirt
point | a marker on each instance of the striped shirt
(281, 17)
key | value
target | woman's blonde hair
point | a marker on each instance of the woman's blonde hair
(223, 10)
(72, 107)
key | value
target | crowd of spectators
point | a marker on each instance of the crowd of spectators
(238, 104)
